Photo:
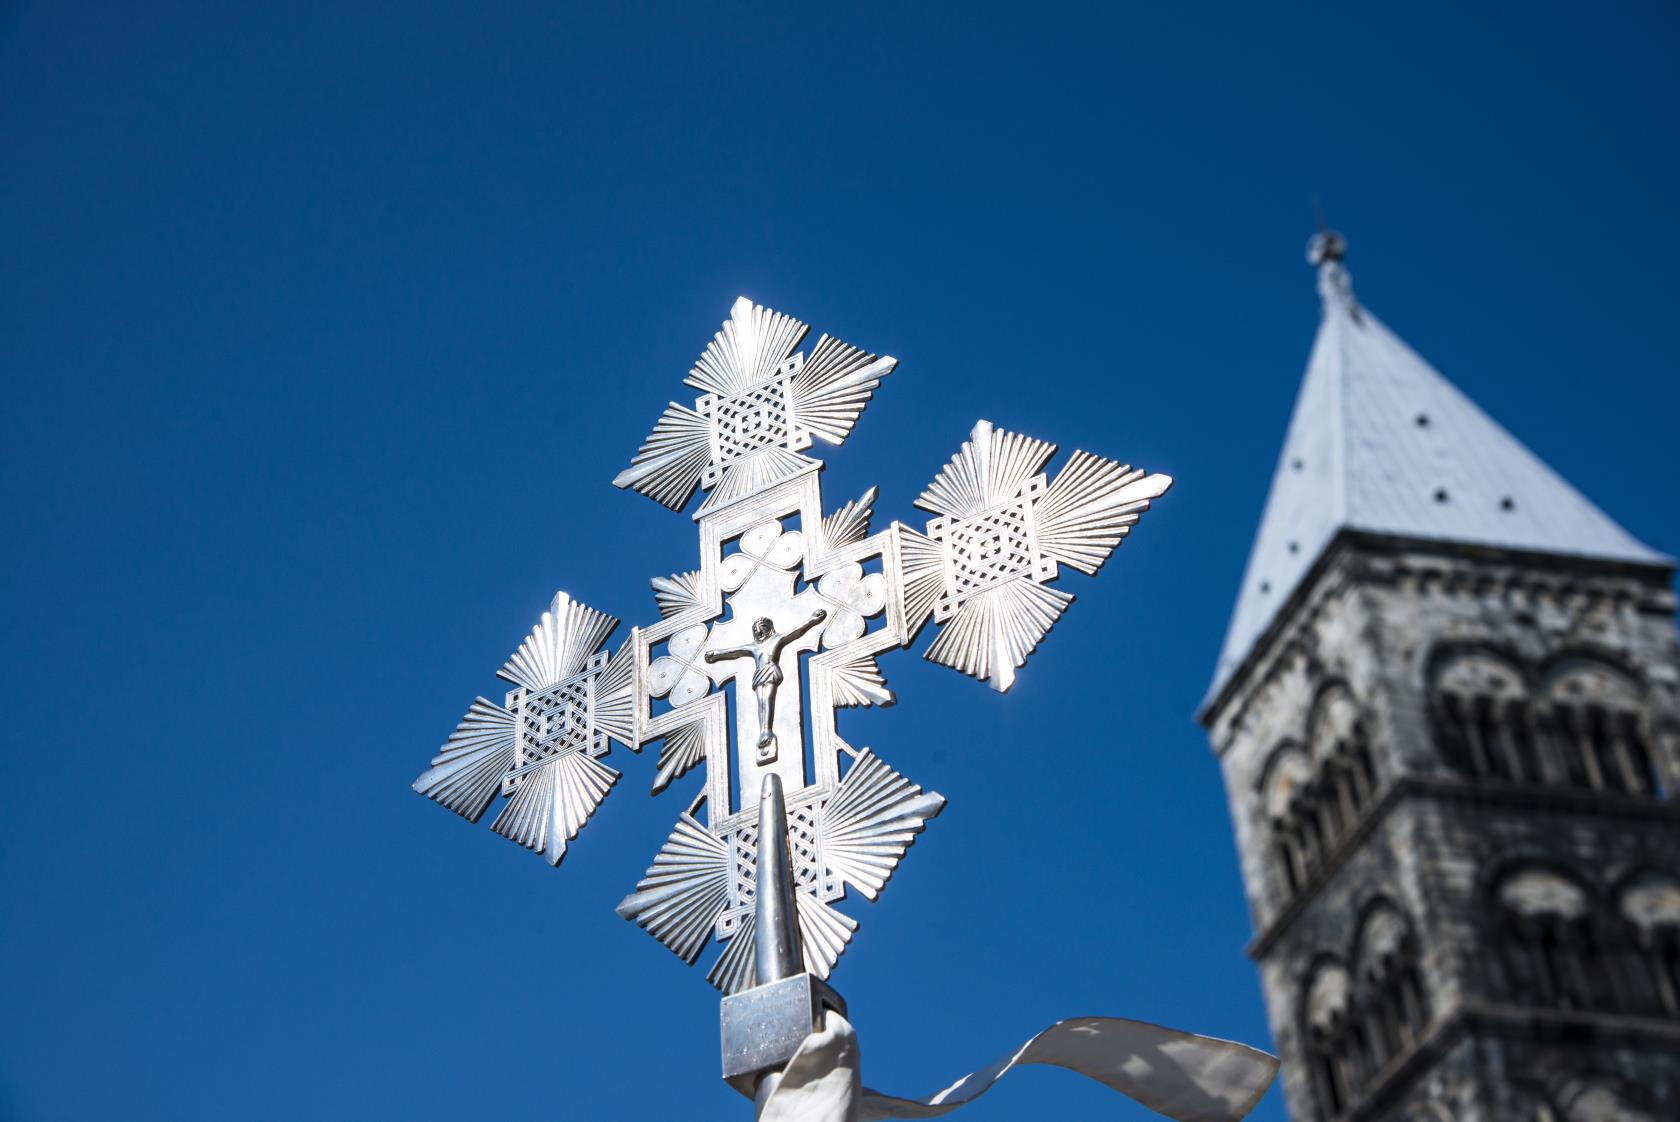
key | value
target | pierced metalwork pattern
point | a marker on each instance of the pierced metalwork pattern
(993, 546)
(787, 594)
(560, 718)
(761, 416)
(811, 873)
(539, 751)
(761, 403)
(1002, 531)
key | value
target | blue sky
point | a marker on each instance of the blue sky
(325, 330)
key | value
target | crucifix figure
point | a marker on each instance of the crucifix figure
(766, 652)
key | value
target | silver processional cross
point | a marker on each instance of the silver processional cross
(782, 589)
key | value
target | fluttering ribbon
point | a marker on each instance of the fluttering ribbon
(1179, 1074)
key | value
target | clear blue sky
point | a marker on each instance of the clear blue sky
(324, 332)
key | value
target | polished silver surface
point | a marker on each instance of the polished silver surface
(1003, 530)
(541, 749)
(763, 1025)
(761, 1028)
(762, 402)
(765, 649)
(778, 627)
(776, 924)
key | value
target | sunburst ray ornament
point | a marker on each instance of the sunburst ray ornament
(541, 750)
(789, 609)
(761, 402)
(1002, 531)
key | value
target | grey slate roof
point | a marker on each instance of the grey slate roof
(1381, 442)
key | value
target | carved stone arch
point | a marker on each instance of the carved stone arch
(1383, 937)
(1649, 898)
(1287, 771)
(1474, 666)
(1542, 885)
(1327, 996)
(1580, 678)
(1394, 1009)
(1334, 1061)
(1595, 713)
(1336, 718)
(1543, 927)
(1295, 841)
(1339, 741)
(1576, 656)
(1481, 704)
(1647, 903)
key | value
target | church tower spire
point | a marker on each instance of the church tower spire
(1381, 443)
(1447, 714)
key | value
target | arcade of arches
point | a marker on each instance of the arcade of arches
(1580, 724)
(1357, 1022)
(1314, 795)
(1561, 948)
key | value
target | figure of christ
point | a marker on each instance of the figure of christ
(766, 652)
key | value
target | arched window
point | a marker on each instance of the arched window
(1550, 950)
(1483, 706)
(1342, 751)
(1650, 904)
(1585, 729)
(1285, 795)
(1358, 1024)
(1393, 1005)
(1332, 1054)
(1313, 797)
(1593, 719)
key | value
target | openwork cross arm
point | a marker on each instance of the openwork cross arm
(787, 594)
(541, 748)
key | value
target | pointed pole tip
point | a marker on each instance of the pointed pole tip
(778, 953)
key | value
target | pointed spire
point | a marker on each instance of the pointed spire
(1381, 443)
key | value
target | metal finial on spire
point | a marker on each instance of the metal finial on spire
(1326, 245)
(1325, 251)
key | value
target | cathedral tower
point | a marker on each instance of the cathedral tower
(1447, 713)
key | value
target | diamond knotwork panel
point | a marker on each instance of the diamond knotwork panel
(552, 722)
(559, 719)
(805, 850)
(994, 546)
(761, 417)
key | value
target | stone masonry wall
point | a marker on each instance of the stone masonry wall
(1430, 843)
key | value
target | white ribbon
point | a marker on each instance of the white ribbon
(1183, 1076)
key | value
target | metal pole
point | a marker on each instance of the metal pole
(778, 953)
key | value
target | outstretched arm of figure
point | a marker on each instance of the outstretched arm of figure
(733, 652)
(799, 629)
